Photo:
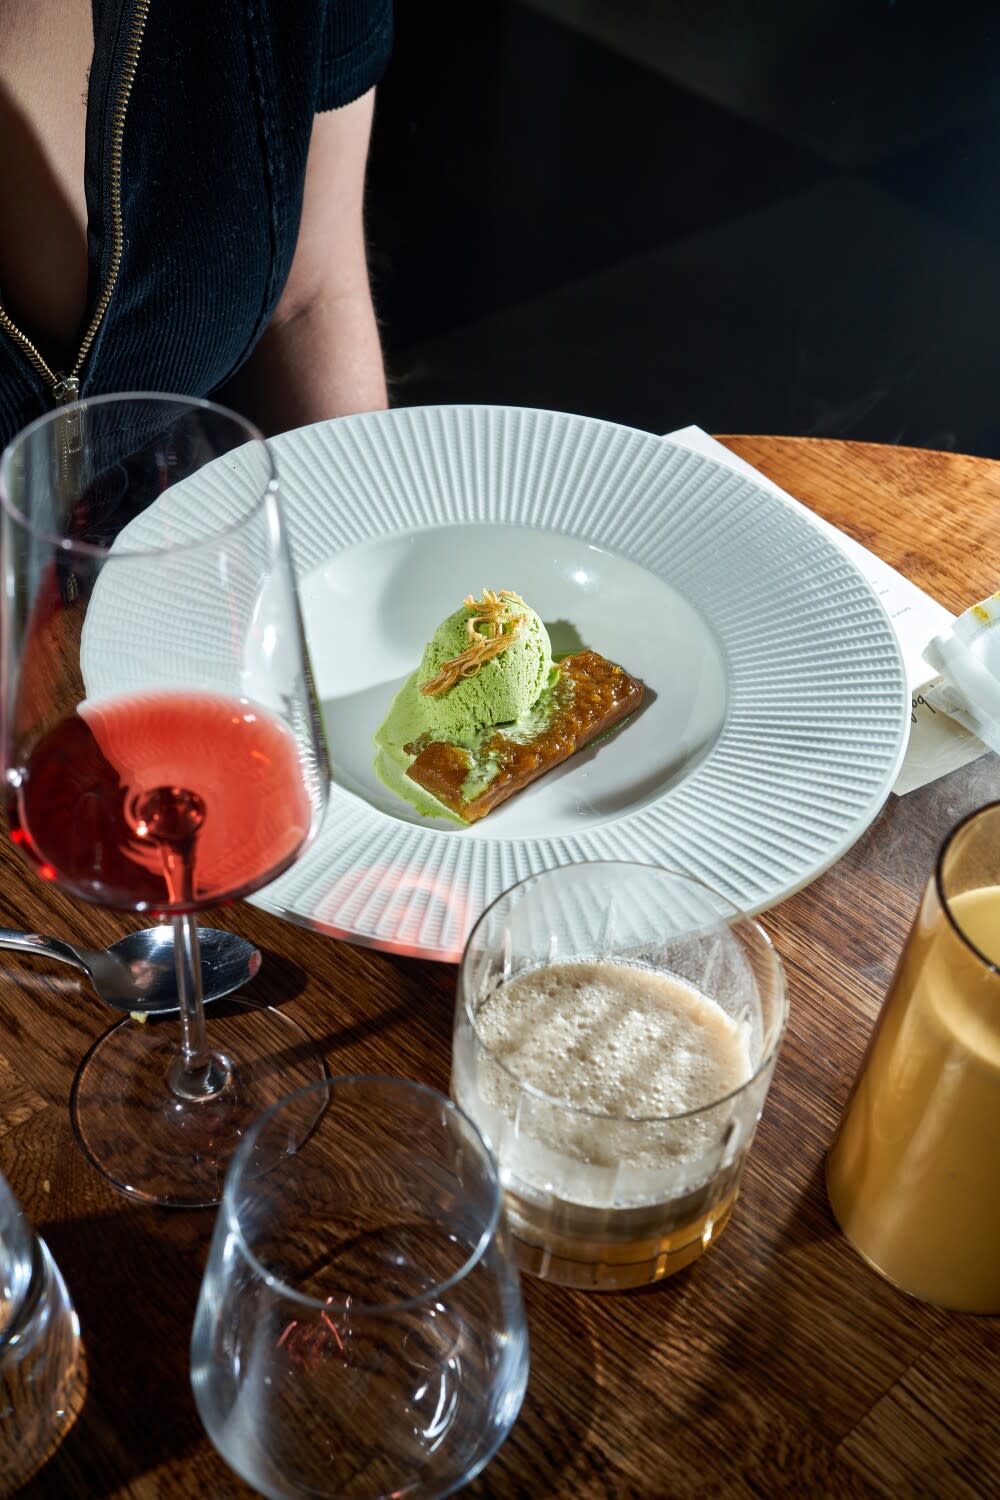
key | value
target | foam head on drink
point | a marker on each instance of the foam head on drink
(593, 1081)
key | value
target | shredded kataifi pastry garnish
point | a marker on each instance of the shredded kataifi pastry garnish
(502, 629)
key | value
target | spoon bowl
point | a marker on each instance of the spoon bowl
(137, 972)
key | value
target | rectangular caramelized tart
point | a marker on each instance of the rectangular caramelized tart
(589, 696)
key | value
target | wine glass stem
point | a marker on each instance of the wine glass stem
(197, 1073)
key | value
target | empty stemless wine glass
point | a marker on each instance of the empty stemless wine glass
(162, 748)
(360, 1330)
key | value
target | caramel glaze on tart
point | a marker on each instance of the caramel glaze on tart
(589, 696)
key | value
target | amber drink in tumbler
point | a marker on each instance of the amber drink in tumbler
(616, 1030)
(914, 1172)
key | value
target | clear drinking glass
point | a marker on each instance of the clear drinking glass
(616, 1030)
(913, 1175)
(360, 1330)
(162, 748)
(42, 1370)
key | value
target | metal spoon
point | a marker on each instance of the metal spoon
(137, 972)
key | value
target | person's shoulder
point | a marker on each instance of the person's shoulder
(357, 43)
(339, 48)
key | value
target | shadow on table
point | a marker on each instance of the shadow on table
(331, 1045)
(135, 1291)
(807, 1332)
(279, 980)
(555, 1418)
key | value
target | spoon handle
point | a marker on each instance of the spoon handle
(40, 946)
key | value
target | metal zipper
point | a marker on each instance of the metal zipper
(67, 387)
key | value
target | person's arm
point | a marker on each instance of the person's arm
(320, 354)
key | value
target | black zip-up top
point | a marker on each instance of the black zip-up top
(198, 124)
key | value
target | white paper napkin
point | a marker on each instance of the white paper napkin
(967, 657)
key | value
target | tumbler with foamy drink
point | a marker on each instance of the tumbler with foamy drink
(615, 1034)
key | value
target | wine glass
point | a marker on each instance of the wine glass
(162, 747)
(360, 1329)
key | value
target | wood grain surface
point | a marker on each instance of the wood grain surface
(779, 1364)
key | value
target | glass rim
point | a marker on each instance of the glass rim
(349, 1304)
(69, 546)
(579, 1111)
(945, 901)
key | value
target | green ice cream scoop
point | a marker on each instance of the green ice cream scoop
(501, 691)
(503, 688)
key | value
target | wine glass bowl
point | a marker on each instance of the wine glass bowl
(162, 748)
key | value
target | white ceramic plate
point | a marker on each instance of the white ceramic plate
(777, 706)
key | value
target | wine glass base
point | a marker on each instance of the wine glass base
(158, 1147)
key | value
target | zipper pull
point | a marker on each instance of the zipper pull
(65, 390)
(71, 443)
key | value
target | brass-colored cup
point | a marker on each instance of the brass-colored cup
(913, 1175)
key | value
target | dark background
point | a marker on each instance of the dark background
(758, 215)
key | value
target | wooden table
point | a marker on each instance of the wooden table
(779, 1364)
